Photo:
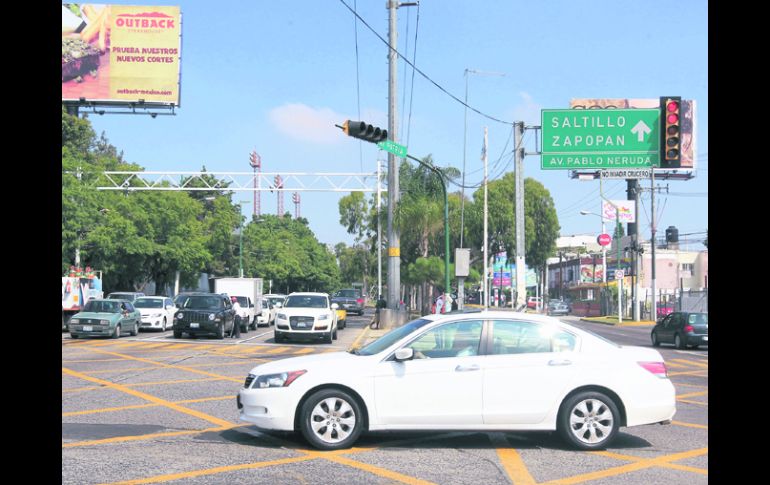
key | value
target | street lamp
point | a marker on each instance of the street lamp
(604, 248)
(240, 245)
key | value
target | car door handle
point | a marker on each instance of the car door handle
(466, 368)
(560, 362)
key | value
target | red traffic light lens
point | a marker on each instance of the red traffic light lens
(672, 106)
(672, 118)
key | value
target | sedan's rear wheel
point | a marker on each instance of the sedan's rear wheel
(331, 419)
(589, 420)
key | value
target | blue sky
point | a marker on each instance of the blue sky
(275, 76)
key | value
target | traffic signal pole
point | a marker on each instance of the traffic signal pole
(394, 249)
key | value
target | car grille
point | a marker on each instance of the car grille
(249, 380)
(307, 321)
(196, 316)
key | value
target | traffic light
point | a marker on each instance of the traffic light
(671, 134)
(364, 131)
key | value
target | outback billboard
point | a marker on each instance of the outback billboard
(121, 53)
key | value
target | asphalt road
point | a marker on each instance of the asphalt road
(154, 409)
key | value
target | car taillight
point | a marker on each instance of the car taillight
(657, 368)
(360, 301)
(688, 328)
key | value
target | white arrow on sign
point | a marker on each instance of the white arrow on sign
(640, 129)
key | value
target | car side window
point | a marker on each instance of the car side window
(518, 337)
(673, 320)
(456, 339)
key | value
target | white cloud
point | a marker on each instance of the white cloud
(305, 123)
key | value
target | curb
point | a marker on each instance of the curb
(608, 321)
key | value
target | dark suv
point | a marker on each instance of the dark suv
(204, 314)
(349, 299)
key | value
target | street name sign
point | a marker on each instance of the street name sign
(630, 173)
(393, 147)
(576, 139)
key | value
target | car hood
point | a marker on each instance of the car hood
(304, 311)
(340, 360)
(150, 311)
(98, 315)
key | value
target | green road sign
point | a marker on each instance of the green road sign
(575, 139)
(393, 147)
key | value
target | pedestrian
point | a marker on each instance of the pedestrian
(236, 331)
(439, 304)
(448, 303)
(381, 303)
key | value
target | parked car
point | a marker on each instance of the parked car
(350, 299)
(157, 312)
(683, 329)
(125, 295)
(307, 315)
(105, 318)
(204, 314)
(487, 371)
(534, 301)
(266, 316)
(558, 307)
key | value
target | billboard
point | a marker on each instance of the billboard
(688, 119)
(121, 53)
(626, 210)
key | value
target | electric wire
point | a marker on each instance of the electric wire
(358, 87)
(420, 72)
(411, 89)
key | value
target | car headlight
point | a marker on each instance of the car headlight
(284, 379)
(212, 316)
(104, 322)
(281, 316)
(74, 320)
(323, 317)
(179, 316)
(155, 315)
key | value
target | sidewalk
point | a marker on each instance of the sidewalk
(368, 335)
(613, 320)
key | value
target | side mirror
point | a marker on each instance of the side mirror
(335, 306)
(406, 353)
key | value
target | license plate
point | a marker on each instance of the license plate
(195, 325)
(301, 325)
(706, 339)
(88, 328)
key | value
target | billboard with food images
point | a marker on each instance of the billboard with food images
(121, 53)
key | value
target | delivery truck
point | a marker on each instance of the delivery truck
(249, 294)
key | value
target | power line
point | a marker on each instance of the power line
(422, 73)
(358, 88)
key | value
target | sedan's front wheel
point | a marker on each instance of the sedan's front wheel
(331, 419)
(116, 333)
(589, 420)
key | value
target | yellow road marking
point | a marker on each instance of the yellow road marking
(124, 439)
(85, 361)
(693, 402)
(170, 366)
(699, 373)
(511, 460)
(631, 467)
(306, 350)
(690, 425)
(691, 363)
(142, 406)
(148, 397)
(678, 384)
(640, 459)
(277, 350)
(213, 471)
(692, 394)
(356, 343)
(381, 472)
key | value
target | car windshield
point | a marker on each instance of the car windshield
(698, 319)
(148, 303)
(306, 301)
(392, 337)
(346, 294)
(242, 301)
(204, 302)
(102, 306)
(276, 299)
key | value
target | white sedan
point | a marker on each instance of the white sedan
(157, 312)
(488, 371)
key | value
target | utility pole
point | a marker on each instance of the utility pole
(654, 313)
(485, 286)
(637, 246)
(394, 249)
(521, 282)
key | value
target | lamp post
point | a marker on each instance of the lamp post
(240, 244)
(604, 248)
